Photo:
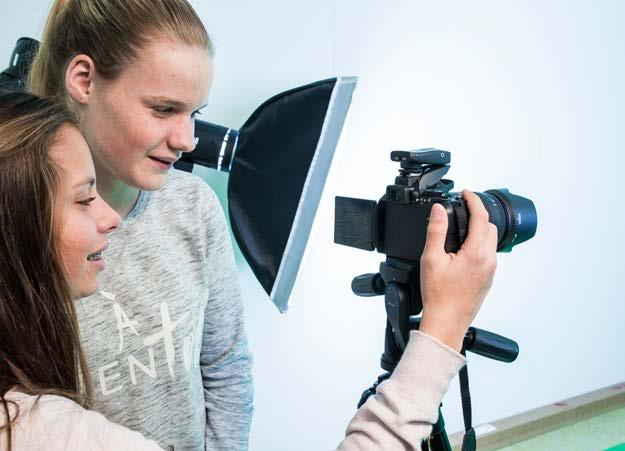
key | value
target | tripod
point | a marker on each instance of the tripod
(399, 282)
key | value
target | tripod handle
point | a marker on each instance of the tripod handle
(484, 343)
(491, 345)
(368, 285)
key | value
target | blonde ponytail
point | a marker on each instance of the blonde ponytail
(43, 78)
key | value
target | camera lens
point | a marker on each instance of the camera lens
(514, 216)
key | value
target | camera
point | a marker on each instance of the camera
(397, 224)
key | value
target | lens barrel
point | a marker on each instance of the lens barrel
(514, 216)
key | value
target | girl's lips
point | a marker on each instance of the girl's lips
(161, 164)
(98, 263)
(96, 258)
(103, 248)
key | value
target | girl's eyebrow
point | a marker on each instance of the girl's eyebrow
(88, 181)
(172, 102)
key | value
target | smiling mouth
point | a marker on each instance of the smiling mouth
(94, 257)
(162, 161)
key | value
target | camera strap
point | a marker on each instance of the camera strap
(469, 442)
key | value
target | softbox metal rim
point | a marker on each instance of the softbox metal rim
(312, 191)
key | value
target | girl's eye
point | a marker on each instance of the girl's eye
(167, 111)
(87, 202)
(164, 110)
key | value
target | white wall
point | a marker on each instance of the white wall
(526, 95)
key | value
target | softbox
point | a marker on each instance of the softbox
(278, 162)
(14, 77)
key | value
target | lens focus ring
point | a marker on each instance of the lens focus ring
(508, 214)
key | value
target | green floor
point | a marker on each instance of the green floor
(603, 432)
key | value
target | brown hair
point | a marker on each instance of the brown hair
(111, 32)
(40, 350)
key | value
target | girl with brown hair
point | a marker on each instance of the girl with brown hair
(53, 228)
(164, 337)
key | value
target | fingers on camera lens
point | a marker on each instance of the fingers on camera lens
(479, 227)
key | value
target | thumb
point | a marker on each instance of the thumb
(437, 230)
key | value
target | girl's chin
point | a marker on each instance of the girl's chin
(85, 291)
(149, 180)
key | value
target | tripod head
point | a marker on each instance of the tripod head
(402, 315)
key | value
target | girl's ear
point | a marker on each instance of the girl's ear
(79, 79)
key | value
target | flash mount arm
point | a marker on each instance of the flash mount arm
(422, 170)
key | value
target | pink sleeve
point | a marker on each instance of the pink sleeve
(401, 414)
(57, 423)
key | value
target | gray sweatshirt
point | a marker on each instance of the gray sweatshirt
(164, 337)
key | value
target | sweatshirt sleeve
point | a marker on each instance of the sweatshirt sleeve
(112, 436)
(405, 406)
(56, 423)
(225, 360)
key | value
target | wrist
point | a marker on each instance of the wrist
(448, 332)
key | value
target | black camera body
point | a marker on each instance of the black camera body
(397, 224)
(408, 240)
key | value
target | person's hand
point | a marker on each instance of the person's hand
(453, 286)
